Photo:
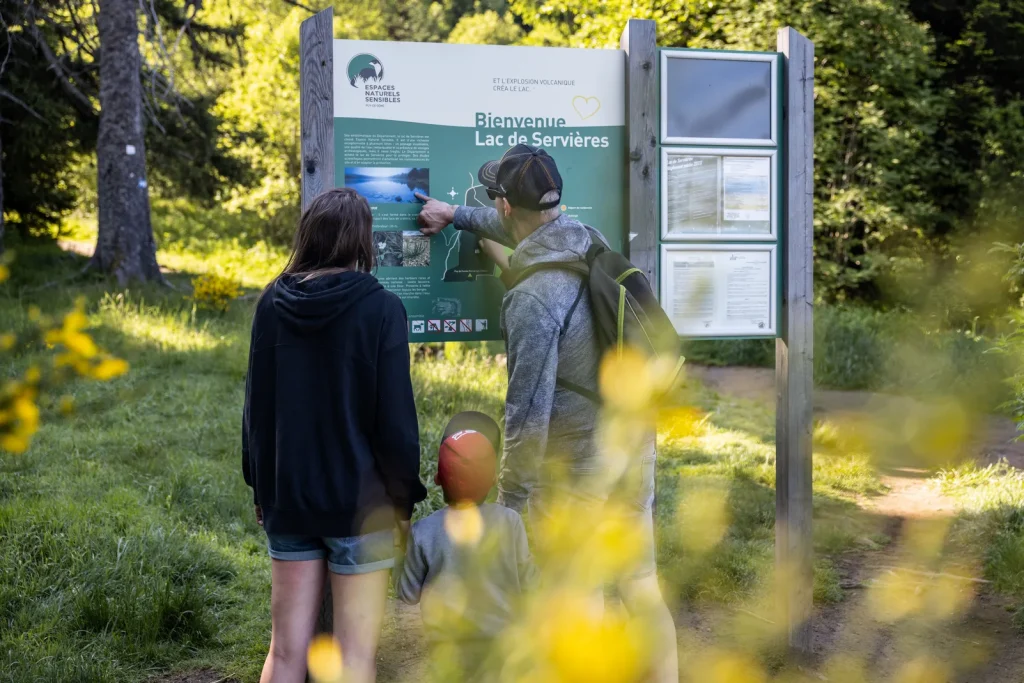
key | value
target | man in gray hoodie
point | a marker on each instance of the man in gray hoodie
(549, 336)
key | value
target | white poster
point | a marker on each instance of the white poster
(746, 192)
(720, 290)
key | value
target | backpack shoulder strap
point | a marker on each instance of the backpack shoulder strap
(578, 267)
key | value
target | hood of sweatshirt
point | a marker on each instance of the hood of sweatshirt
(310, 305)
(563, 240)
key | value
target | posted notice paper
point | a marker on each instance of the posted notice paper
(720, 291)
(746, 185)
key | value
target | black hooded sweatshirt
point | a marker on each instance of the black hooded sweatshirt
(330, 443)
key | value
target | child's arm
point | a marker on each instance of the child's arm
(527, 570)
(414, 573)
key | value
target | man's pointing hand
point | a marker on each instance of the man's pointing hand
(435, 215)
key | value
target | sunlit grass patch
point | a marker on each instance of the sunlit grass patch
(991, 523)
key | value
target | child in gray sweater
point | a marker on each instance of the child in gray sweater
(468, 563)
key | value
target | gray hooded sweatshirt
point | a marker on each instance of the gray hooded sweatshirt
(542, 420)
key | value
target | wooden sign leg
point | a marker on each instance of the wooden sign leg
(793, 350)
(316, 105)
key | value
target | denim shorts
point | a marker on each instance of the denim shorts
(355, 555)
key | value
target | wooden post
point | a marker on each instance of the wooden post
(316, 102)
(641, 239)
(316, 105)
(794, 365)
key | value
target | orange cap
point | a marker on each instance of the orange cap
(466, 466)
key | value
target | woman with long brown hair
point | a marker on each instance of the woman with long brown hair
(330, 444)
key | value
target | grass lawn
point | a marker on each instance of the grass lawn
(128, 541)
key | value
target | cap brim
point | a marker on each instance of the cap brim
(472, 420)
(488, 174)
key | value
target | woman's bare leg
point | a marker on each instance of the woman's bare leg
(359, 604)
(295, 594)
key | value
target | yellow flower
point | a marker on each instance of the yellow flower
(14, 443)
(5, 273)
(34, 314)
(75, 321)
(618, 543)
(679, 423)
(214, 292)
(27, 413)
(33, 375)
(109, 368)
(80, 343)
(323, 660)
(585, 649)
(923, 670)
(7, 341)
(895, 597)
(625, 380)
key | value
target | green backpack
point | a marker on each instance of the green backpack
(624, 307)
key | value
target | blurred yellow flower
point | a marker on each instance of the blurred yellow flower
(14, 443)
(679, 423)
(34, 313)
(925, 538)
(846, 669)
(79, 343)
(33, 375)
(109, 368)
(324, 661)
(727, 667)
(75, 321)
(625, 381)
(894, 597)
(27, 413)
(464, 524)
(7, 341)
(585, 649)
(616, 546)
(5, 273)
(923, 670)
(947, 597)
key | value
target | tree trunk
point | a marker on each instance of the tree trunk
(125, 246)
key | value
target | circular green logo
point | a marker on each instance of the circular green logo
(363, 68)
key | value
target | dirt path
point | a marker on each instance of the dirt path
(982, 645)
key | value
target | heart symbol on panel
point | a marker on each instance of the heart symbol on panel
(586, 106)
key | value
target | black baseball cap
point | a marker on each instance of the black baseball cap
(474, 421)
(523, 175)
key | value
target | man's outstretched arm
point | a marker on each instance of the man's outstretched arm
(436, 215)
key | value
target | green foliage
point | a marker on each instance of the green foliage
(488, 28)
(859, 348)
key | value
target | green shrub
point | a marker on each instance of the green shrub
(857, 348)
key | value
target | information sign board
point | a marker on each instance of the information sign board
(720, 290)
(418, 117)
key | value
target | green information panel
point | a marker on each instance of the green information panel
(423, 117)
